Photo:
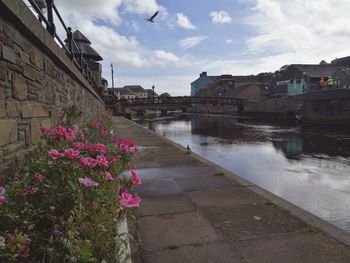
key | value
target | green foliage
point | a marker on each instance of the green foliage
(48, 213)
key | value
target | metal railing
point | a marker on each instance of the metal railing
(180, 100)
(71, 48)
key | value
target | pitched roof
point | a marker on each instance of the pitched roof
(150, 92)
(84, 46)
(317, 70)
(344, 61)
(135, 88)
(78, 36)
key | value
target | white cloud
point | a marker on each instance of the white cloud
(191, 41)
(141, 6)
(318, 30)
(165, 56)
(220, 17)
(183, 22)
(229, 41)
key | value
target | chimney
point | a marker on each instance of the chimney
(204, 73)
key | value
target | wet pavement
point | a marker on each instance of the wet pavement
(193, 211)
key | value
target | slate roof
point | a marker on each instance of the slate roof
(150, 92)
(316, 71)
(135, 88)
(344, 61)
(247, 78)
(78, 36)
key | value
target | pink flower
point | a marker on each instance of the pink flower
(125, 199)
(54, 154)
(2, 190)
(134, 149)
(136, 180)
(2, 199)
(101, 161)
(38, 177)
(100, 148)
(108, 176)
(96, 123)
(114, 137)
(103, 133)
(86, 181)
(78, 145)
(50, 163)
(115, 158)
(29, 190)
(70, 135)
(88, 161)
(71, 153)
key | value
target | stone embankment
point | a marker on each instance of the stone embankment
(194, 211)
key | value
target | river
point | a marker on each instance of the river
(308, 166)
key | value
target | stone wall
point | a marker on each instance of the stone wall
(37, 80)
(280, 105)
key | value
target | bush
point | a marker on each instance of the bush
(66, 203)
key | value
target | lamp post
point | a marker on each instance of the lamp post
(153, 93)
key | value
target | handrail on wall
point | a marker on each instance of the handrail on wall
(71, 48)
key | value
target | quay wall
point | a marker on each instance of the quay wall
(37, 80)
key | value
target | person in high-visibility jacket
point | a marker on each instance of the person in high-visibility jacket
(330, 82)
(322, 83)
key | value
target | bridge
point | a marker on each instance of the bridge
(173, 103)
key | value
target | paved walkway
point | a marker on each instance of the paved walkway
(192, 212)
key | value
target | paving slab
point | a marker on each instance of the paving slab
(293, 248)
(170, 172)
(159, 187)
(155, 205)
(206, 182)
(250, 221)
(190, 215)
(207, 253)
(175, 230)
(229, 197)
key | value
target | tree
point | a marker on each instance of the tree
(166, 94)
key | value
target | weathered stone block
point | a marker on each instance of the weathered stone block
(8, 131)
(9, 54)
(32, 73)
(13, 147)
(12, 108)
(34, 110)
(37, 59)
(35, 131)
(49, 69)
(19, 88)
(2, 103)
(3, 71)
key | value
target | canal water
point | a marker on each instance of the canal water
(308, 166)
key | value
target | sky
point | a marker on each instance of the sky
(238, 37)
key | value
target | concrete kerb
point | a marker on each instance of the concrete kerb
(338, 234)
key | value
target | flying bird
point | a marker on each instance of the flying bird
(151, 19)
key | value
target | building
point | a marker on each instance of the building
(90, 56)
(342, 78)
(251, 87)
(139, 91)
(200, 83)
(341, 62)
(298, 79)
(151, 93)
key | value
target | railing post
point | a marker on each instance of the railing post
(70, 42)
(51, 27)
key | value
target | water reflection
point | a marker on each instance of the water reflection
(308, 166)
